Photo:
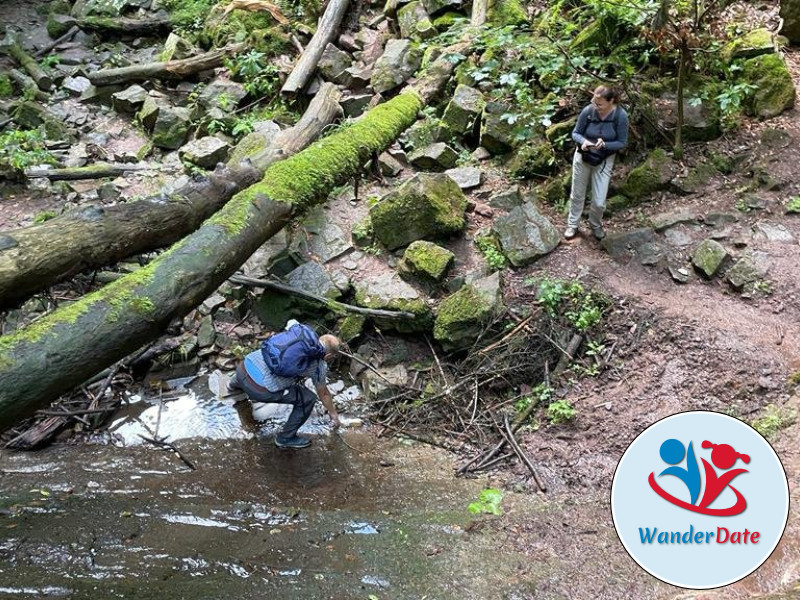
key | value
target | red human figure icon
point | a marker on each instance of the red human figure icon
(724, 457)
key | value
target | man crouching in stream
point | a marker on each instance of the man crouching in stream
(262, 384)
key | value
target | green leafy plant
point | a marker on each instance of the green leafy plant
(540, 394)
(793, 205)
(50, 61)
(488, 502)
(773, 420)
(253, 69)
(44, 216)
(560, 411)
(23, 148)
(488, 247)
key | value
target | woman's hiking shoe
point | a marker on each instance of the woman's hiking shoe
(292, 442)
(570, 233)
(599, 232)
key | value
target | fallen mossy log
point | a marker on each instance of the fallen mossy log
(30, 64)
(172, 69)
(35, 257)
(66, 347)
(125, 26)
(97, 171)
(28, 85)
(307, 63)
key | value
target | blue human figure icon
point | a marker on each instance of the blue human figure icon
(672, 452)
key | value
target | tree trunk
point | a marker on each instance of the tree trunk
(480, 12)
(37, 73)
(173, 69)
(66, 347)
(97, 171)
(682, 67)
(307, 63)
(28, 85)
(125, 26)
(36, 257)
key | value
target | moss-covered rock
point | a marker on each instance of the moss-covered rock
(775, 90)
(654, 174)
(754, 43)
(525, 235)
(425, 261)
(400, 59)
(6, 89)
(425, 206)
(790, 13)
(414, 22)
(556, 190)
(535, 160)
(463, 110)
(447, 20)
(697, 178)
(389, 292)
(58, 24)
(508, 12)
(351, 327)
(171, 127)
(30, 115)
(497, 134)
(560, 134)
(463, 316)
(709, 256)
(602, 34)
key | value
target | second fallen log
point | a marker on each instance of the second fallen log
(172, 69)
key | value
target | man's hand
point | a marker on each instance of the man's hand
(336, 422)
(327, 402)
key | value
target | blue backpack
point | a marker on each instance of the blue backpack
(290, 353)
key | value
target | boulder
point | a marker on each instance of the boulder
(148, 115)
(273, 258)
(321, 237)
(205, 152)
(463, 110)
(624, 244)
(708, 257)
(32, 115)
(383, 384)
(525, 235)
(312, 277)
(333, 65)
(76, 85)
(222, 94)
(389, 165)
(696, 179)
(534, 160)
(426, 206)
(171, 127)
(497, 134)
(654, 174)
(463, 316)
(775, 90)
(507, 199)
(354, 105)
(176, 48)
(790, 13)
(388, 291)
(466, 177)
(774, 232)
(130, 99)
(747, 271)
(754, 43)
(414, 22)
(398, 62)
(663, 221)
(425, 261)
(436, 157)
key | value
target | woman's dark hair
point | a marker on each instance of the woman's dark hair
(607, 93)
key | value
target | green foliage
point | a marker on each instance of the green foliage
(21, 148)
(256, 72)
(488, 503)
(489, 248)
(50, 61)
(793, 205)
(773, 420)
(44, 216)
(560, 411)
(582, 309)
(189, 16)
(538, 395)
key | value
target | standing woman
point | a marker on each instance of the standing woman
(601, 132)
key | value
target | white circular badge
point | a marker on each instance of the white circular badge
(700, 500)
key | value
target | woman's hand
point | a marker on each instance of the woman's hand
(600, 143)
(586, 145)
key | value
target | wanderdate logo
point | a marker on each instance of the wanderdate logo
(700, 500)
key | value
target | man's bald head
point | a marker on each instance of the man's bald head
(331, 344)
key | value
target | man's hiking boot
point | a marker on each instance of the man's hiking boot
(598, 232)
(570, 233)
(293, 442)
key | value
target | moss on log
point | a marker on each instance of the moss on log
(65, 348)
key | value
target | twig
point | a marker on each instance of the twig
(167, 446)
(64, 38)
(438, 364)
(522, 325)
(75, 413)
(522, 456)
(368, 366)
(493, 462)
(419, 438)
(332, 304)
